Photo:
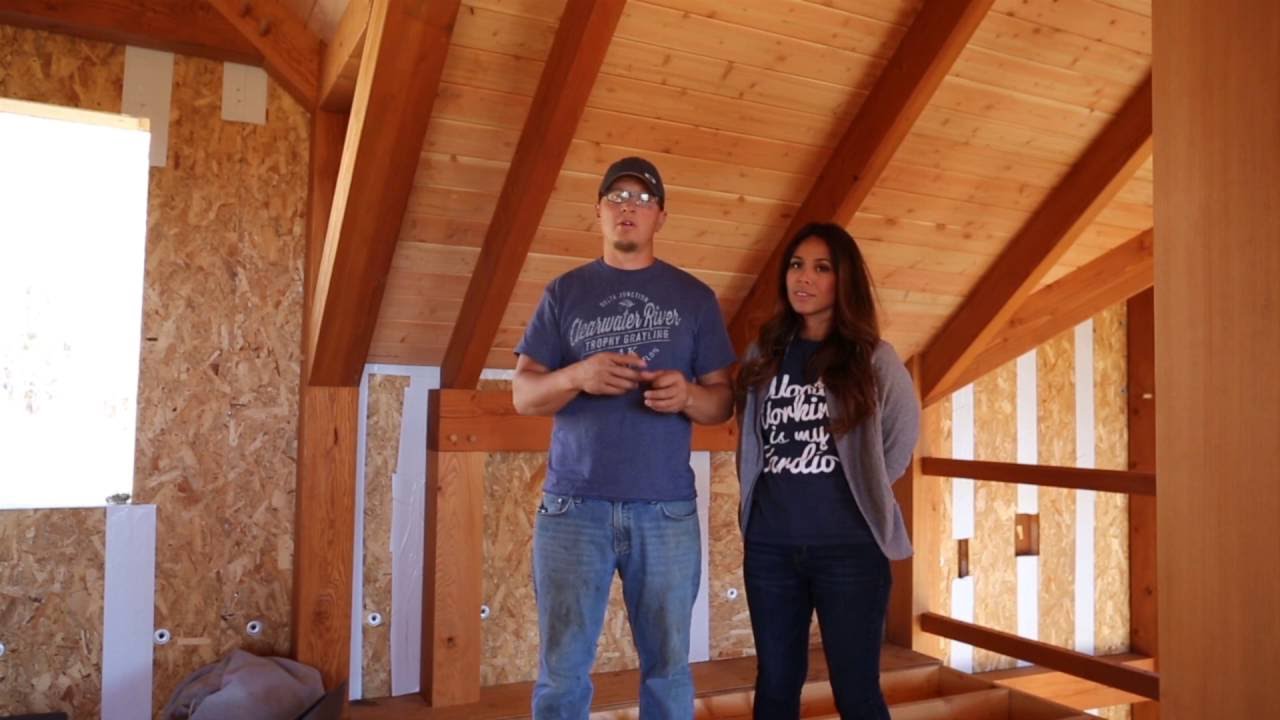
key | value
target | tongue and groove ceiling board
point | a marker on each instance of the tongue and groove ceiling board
(740, 105)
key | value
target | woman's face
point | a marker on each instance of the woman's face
(811, 278)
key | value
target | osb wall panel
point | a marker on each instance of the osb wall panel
(1056, 419)
(219, 379)
(513, 487)
(1111, 529)
(384, 411)
(935, 440)
(219, 368)
(51, 590)
(991, 553)
(730, 629)
(60, 70)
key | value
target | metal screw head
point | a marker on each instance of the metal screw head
(162, 636)
(2, 649)
(732, 594)
(484, 612)
(255, 627)
(374, 619)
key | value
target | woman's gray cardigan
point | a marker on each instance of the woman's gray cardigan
(874, 454)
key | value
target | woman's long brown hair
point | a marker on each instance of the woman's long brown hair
(843, 361)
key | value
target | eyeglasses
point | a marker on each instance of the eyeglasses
(641, 199)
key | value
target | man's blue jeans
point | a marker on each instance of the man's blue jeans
(656, 548)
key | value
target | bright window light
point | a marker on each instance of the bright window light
(73, 224)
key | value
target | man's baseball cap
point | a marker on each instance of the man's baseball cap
(639, 168)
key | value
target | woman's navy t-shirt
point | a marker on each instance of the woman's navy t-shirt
(802, 497)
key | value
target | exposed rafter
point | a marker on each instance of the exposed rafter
(190, 27)
(1109, 162)
(290, 51)
(582, 38)
(923, 58)
(1113, 277)
(341, 63)
(404, 53)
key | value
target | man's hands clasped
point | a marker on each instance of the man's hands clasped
(617, 373)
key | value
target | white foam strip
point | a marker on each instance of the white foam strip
(1086, 500)
(129, 604)
(700, 632)
(962, 609)
(244, 93)
(408, 508)
(1028, 430)
(1028, 568)
(355, 680)
(962, 522)
(148, 88)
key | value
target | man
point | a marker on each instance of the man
(612, 351)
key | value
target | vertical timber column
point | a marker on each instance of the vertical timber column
(1143, 630)
(920, 497)
(452, 580)
(327, 421)
(1217, 280)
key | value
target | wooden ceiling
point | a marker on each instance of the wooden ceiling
(1015, 144)
(740, 105)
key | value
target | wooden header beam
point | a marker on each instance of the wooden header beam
(189, 27)
(404, 52)
(486, 420)
(1113, 277)
(939, 33)
(1123, 677)
(1116, 481)
(291, 52)
(1109, 162)
(582, 38)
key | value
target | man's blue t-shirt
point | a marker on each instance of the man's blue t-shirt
(802, 496)
(613, 447)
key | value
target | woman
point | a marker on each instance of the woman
(830, 420)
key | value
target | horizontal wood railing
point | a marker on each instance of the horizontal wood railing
(486, 421)
(1116, 481)
(1099, 670)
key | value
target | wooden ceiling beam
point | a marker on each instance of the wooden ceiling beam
(1104, 168)
(925, 55)
(582, 38)
(341, 63)
(400, 68)
(188, 27)
(1113, 277)
(290, 51)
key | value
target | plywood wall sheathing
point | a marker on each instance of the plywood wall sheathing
(936, 431)
(1055, 395)
(218, 384)
(384, 414)
(730, 621)
(991, 552)
(51, 593)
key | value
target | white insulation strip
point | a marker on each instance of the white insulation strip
(1086, 500)
(128, 612)
(700, 632)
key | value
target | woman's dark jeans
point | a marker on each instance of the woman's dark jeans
(849, 587)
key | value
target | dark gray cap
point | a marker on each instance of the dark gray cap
(639, 168)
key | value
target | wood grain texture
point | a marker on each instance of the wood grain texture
(1216, 340)
(1116, 481)
(453, 578)
(582, 38)
(922, 59)
(1111, 160)
(290, 51)
(389, 115)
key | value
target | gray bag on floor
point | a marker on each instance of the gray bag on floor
(242, 685)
